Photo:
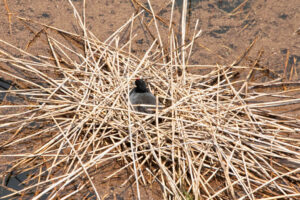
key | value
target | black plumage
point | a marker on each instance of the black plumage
(142, 95)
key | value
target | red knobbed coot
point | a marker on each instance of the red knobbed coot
(142, 95)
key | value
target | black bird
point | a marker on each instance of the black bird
(142, 95)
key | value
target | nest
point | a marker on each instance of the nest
(210, 141)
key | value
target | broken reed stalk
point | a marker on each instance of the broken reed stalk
(211, 143)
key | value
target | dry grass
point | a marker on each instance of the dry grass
(211, 143)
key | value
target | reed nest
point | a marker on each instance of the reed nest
(210, 141)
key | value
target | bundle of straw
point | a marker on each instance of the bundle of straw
(209, 142)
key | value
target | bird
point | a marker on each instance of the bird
(142, 95)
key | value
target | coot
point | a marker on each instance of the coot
(142, 95)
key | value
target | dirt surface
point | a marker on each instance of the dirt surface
(229, 27)
(226, 33)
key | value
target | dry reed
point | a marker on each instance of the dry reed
(209, 142)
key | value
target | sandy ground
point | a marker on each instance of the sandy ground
(228, 30)
(225, 37)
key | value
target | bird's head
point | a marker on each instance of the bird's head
(141, 85)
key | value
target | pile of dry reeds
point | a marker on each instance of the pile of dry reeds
(209, 142)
